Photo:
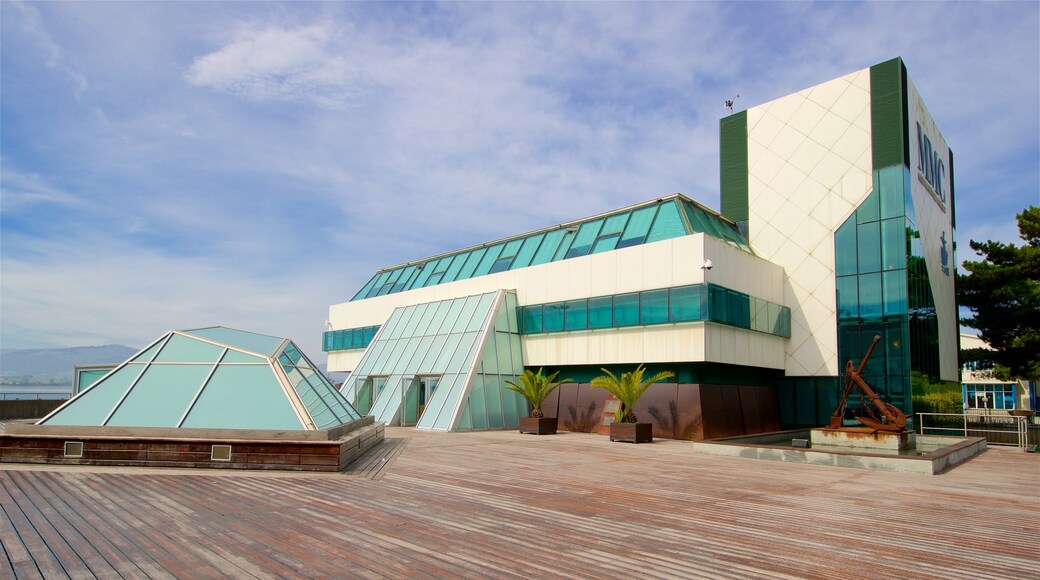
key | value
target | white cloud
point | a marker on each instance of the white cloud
(274, 63)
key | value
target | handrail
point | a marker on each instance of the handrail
(1021, 426)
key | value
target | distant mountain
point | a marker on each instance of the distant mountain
(58, 362)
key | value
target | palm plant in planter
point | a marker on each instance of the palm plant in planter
(535, 388)
(628, 389)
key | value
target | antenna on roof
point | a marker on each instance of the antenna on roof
(729, 103)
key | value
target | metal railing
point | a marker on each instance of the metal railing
(997, 429)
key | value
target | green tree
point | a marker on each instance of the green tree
(1003, 293)
(628, 389)
(535, 388)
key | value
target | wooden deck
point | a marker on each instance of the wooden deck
(506, 505)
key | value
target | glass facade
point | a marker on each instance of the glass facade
(697, 302)
(662, 219)
(348, 339)
(443, 365)
(989, 396)
(216, 378)
(883, 290)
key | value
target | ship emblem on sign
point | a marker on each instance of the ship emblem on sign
(944, 255)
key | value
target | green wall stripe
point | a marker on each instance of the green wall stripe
(733, 170)
(888, 113)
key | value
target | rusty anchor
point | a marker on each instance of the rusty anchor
(891, 419)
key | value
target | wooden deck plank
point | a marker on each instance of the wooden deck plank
(502, 505)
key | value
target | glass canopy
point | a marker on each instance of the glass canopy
(215, 378)
(662, 219)
(443, 365)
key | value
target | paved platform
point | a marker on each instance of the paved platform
(506, 505)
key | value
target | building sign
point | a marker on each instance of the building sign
(929, 154)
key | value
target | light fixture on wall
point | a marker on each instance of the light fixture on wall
(707, 265)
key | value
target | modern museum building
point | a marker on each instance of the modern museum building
(836, 225)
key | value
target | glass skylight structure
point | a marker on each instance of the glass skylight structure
(215, 378)
(662, 219)
(443, 365)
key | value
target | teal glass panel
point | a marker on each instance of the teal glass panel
(510, 409)
(531, 319)
(526, 252)
(452, 316)
(565, 246)
(366, 288)
(161, 396)
(718, 304)
(183, 349)
(483, 310)
(328, 341)
(90, 407)
(436, 272)
(638, 226)
(489, 260)
(398, 329)
(845, 249)
(584, 238)
(390, 281)
(465, 422)
(700, 222)
(605, 243)
(375, 284)
(653, 306)
(415, 325)
(847, 288)
(511, 308)
(87, 378)
(424, 274)
(784, 327)
(367, 334)
(220, 406)
(478, 410)
(248, 341)
(392, 322)
(464, 355)
(453, 270)
(552, 317)
(548, 247)
(435, 406)
(889, 182)
(363, 398)
(895, 293)
(908, 200)
(291, 351)
(870, 296)
(501, 265)
(869, 241)
(469, 307)
(576, 315)
(440, 310)
(400, 364)
(517, 353)
(503, 354)
(760, 315)
(404, 279)
(427, 366)
(493, 402)
(601, 312)
(489, 363)
(614, 224)
(511, 248)
(685, 303)
(667, 225)
(893, 243)
(471, 263)
(868, 211)
(626, 309)
(148, 353)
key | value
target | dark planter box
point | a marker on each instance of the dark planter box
(632, 432)
(539, 426)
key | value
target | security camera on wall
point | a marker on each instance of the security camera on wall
(707, 265)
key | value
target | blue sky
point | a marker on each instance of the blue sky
(175, 165)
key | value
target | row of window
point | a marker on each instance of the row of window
(646, 224)
(666, 305)
(989, 396)
(348, 339)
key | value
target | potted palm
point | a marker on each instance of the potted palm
(628, 389)
(535, 388)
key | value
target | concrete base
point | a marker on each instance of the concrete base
(862, 438)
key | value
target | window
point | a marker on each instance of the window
(601, 312)
(626, 309)
(990, 396)
(576, 315)
(653, 306)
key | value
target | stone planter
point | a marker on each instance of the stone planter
(539, 426)
(632, 432)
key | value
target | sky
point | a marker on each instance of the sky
(168, 165)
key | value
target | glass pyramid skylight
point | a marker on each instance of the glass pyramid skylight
(443, 365)
(661, 219)
(214, 378)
